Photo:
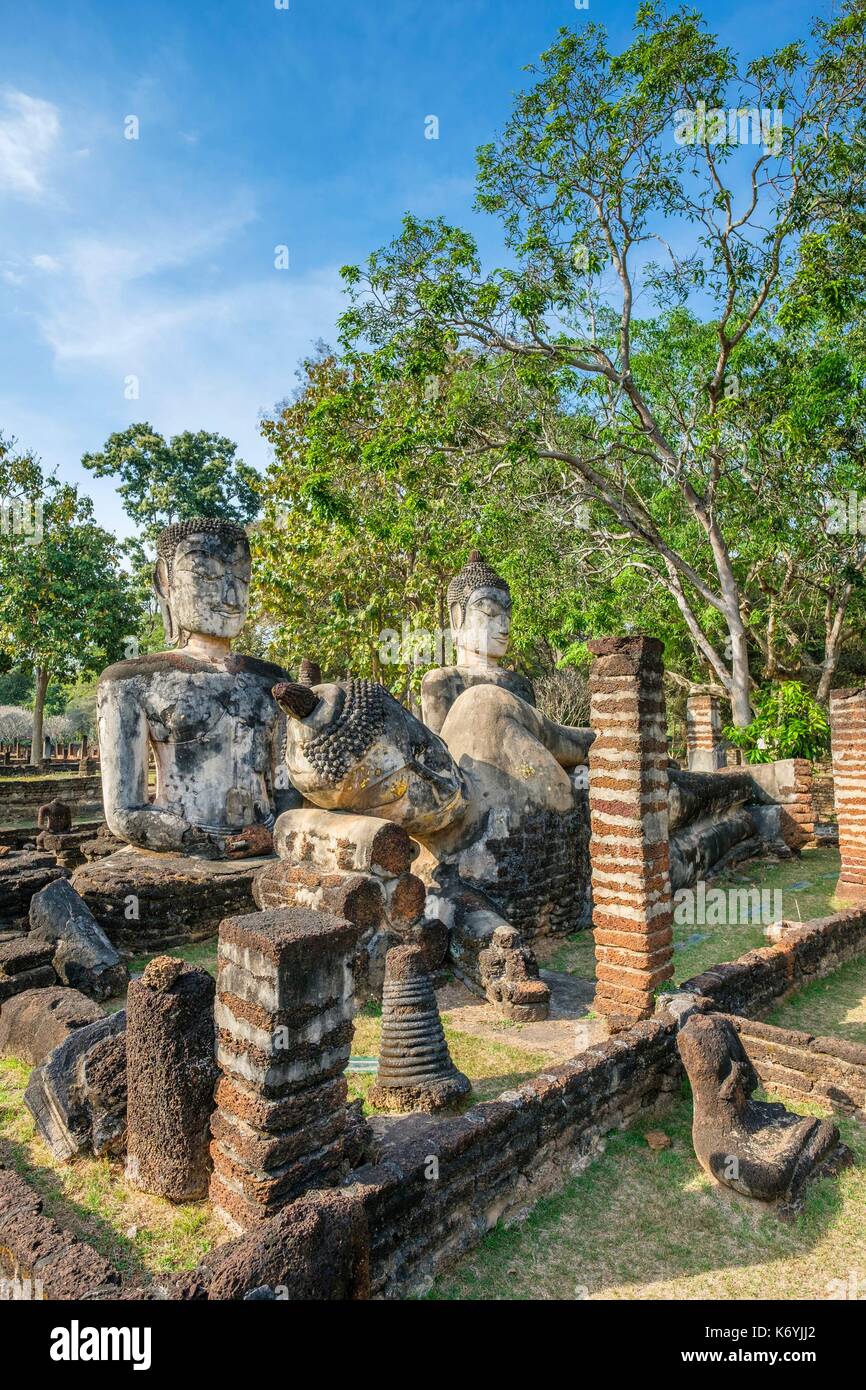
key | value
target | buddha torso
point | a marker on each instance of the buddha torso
(442, 686)
(213, 728)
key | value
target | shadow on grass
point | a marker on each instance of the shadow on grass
(644, 1224)
(77, 1218)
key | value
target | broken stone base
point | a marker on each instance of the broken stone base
(146, 901)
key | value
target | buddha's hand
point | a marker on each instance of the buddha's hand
(250, 843)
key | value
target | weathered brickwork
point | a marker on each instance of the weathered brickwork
(760, 979)
(628, 802)
(285, 1004)
(848, 737)
(797, 796)
(799, 1066)
(542, 872)
(706, 750)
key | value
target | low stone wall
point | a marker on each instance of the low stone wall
(40, 1255)
(760, 979)
(800, 1066)
(21, 797)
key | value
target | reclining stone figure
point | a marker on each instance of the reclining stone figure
(490, 802)
(758, 1148)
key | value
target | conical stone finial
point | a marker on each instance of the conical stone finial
(415, 1067)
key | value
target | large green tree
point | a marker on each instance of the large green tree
(162, 481)
(617, 184)
(65, 604)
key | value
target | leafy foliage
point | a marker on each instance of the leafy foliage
(788, 723)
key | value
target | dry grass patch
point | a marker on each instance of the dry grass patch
(638, 1224)
(139, 1235)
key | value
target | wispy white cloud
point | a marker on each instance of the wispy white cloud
(29, 131)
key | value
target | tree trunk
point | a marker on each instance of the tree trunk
(38, 716)
(833, 644)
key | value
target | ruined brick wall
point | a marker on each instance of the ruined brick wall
(704, 742)
(848, 738)
(628, 799)
(543, 874)
(758, 980)
(800, 1066)
(34, 1248)
(20, 797)
(822, 793)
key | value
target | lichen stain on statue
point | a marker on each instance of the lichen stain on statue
(479, 608)
(350, 747)
(206, 713)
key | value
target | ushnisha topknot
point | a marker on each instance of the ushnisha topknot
(475, 574)
(169, 539)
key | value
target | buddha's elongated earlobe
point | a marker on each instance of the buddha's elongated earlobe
(161, 589)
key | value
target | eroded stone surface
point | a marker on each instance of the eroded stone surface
(758, 1148)
(284, 1012)
(145, 902)
(83, 957)
(415, 1067)
(77, 1110)
(33, 1023)
(171, 1069)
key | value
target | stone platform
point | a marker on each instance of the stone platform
(146, 901)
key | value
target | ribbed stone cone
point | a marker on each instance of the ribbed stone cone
(415, 1067)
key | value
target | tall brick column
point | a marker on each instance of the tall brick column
(848, 741)
(706, 751)
(285, 1004)
(628, 803)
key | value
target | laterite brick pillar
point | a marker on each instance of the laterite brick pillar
(797, 796)
(284, 1011)
(628, 803)
(706, 750)
(848, 739)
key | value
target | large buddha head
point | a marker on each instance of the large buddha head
(202, 579)
(479, 604)
(351, 747)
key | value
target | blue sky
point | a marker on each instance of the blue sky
(258, 127)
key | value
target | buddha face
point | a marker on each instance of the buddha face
(351, 747)
(482, 637)
(208, 591)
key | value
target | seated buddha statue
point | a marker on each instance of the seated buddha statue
(205, 712)
(479, 608)
(503, 834)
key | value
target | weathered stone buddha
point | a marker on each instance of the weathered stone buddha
(206, 713)
(503, 832)
(207, 716)
(479, 607)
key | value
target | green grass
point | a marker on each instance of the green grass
(834, 1006)
(698, 946)
(638, 1224)
(138, 1234)
(492, 1067)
